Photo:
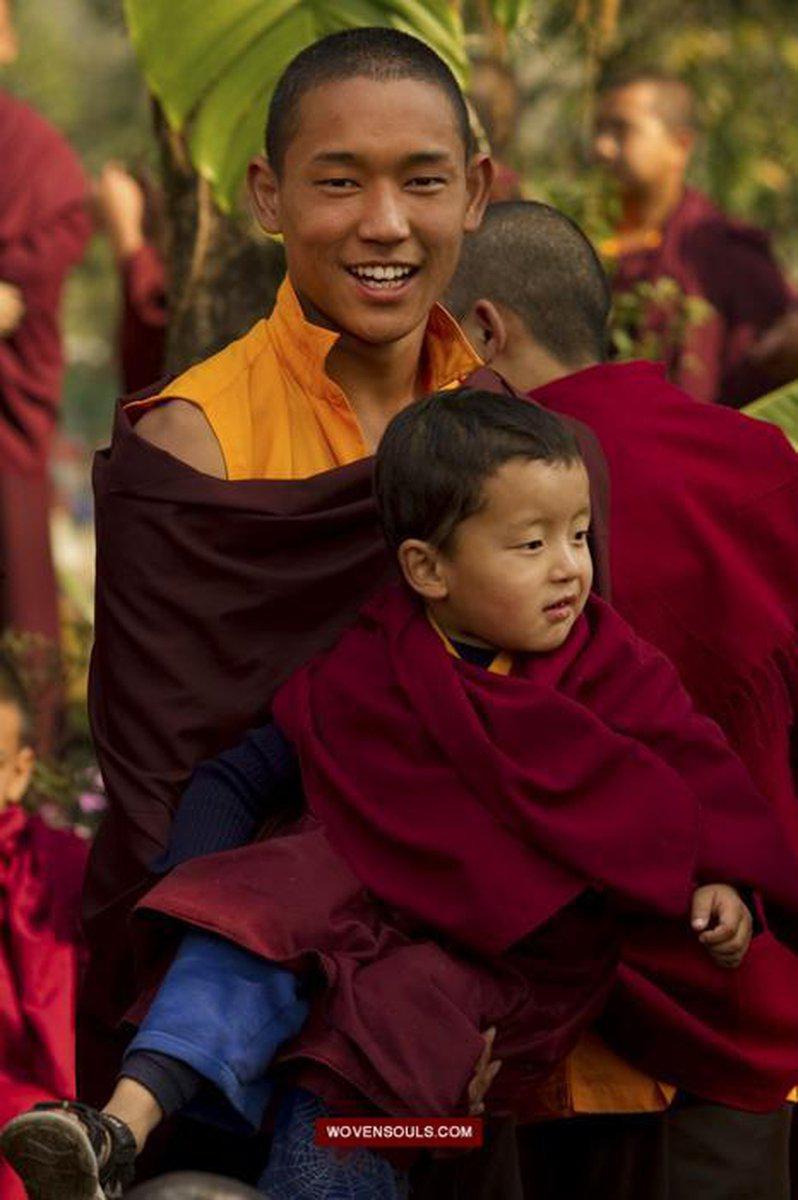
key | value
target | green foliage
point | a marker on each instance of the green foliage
(653, 320)
(779, 408)
(213, 67)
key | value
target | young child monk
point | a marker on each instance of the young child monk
(41, 871)
(529, 787)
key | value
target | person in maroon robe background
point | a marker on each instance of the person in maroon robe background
(44, 227)
(41, 873)
(129, 210)
(704, 565)
(644, 135)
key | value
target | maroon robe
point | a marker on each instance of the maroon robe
(41, 874)
(142, 329)
(730, 265)
(44, 226)
(209, 593)
(704, 553)
(480, 807)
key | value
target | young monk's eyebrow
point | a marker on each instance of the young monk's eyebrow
(348, 159)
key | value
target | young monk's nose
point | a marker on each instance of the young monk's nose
(383, 217)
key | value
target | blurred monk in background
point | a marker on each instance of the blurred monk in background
(129, 208)
(44, 227)
(644, 135)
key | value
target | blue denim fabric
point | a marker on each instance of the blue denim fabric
(225, 1012)
(300, 1170)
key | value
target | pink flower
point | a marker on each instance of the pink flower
(91, 802)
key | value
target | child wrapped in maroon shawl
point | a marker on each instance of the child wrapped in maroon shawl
(515, 817)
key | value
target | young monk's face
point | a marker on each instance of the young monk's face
(518, 571)
(16, 761)
(632, 140)
(373, 198)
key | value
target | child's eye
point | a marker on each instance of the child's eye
(535, 545)
(581, 535)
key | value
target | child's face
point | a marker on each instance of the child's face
(16, 761)
(518, 572)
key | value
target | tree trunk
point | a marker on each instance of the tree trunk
(224, 275)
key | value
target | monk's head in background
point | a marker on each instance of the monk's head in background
(372, 177)
(485, 500)
(644, 135)
(9, 43)
(17, 756)
(531, 294)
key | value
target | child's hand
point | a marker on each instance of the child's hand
(485, 1072)
(723, 923)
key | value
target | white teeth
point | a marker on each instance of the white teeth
(382, 274)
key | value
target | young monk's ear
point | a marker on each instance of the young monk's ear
(421, 567)
(480, 174)
(264, 194)
(485, 328)
(17, 784)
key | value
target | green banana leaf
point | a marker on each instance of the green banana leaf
(212, 64)
(780, 408)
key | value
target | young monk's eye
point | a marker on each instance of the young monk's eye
(427, 183)
(581, 535)
(338, 184)
(535, 545)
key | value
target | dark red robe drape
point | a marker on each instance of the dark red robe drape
(479, 808)
(704, 553)
(41, 875)
(44, 226)
(209, 593)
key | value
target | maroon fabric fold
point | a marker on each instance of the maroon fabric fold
(44, 227)
(41, 874)
(209, 594)
(704, 552)
(142, 328)
(479, 807)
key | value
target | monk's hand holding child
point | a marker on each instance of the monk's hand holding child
(723, 923)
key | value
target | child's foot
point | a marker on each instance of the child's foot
(69, 1151)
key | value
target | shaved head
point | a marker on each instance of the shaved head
(535, 261)
(671, 99)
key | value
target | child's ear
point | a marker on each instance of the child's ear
(422, 569)
(20, 777)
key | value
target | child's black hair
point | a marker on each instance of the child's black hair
(436, 454)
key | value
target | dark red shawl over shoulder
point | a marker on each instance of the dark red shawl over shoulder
(704, 553)
(479, 807)
(41, 874)
(209, 594)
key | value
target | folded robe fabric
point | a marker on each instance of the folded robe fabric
(480, 807)
(41, 874)
(704, 551)
(209, 593)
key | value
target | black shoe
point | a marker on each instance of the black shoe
(60, 1158)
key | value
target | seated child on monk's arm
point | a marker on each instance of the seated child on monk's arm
(500, 558)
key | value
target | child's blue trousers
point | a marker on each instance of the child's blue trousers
(225, 1012)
